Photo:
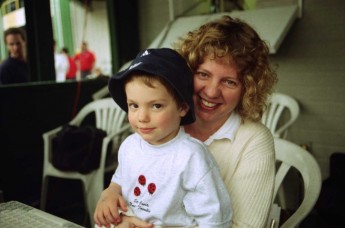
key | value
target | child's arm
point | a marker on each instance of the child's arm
(107, 209)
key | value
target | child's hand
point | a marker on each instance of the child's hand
(107, 209)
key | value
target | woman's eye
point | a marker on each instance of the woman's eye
(231, 83)
(157, 106)
(201, 74)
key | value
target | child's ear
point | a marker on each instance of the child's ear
(184, 108)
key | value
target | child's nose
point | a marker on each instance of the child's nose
(143, 115)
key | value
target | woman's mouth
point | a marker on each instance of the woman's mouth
(207, 105)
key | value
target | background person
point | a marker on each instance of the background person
(61, 65)
(15, 68)
(85, 60)
(164, 175)
(72, 69)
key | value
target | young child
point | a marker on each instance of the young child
(165, 176)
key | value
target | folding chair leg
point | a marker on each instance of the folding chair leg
(44, 188)
(91, 198)
(281, 197)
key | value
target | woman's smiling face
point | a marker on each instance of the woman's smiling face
(217, 90)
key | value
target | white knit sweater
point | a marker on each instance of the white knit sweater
(247, 167)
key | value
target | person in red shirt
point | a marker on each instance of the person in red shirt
(72, 70)
(85, 60)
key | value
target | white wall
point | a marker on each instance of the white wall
(311, 69)
(154, 15)
(96, 32)
(310, 65)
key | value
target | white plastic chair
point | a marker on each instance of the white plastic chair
(278, 103)
(108, 117)
(105, 90)
(290, 155)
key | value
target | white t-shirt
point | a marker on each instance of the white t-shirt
(174, 184)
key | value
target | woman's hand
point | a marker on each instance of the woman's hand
(107, 209)
(131, 222)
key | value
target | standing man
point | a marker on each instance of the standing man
(15, 68)
(61, 65)
(85, 60)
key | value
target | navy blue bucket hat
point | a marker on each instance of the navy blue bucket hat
(163, 62)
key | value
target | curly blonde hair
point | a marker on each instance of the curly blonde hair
(237, 40)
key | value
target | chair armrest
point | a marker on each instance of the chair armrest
(47, 142)
(51, 134)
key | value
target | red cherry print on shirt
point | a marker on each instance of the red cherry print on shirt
(136, 191)
(142, 180)
(151, 188)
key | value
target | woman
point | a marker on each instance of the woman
(232, 80)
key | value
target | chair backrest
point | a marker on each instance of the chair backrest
(108, 115)
(277, 104)
(105, 90)
(292, 155)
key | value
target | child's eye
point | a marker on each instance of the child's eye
(156, 106)
(132, 106)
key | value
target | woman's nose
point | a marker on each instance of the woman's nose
(212, 89)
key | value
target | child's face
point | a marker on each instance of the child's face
(153, 112)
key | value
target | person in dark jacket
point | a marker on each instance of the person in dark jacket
(15, 68)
